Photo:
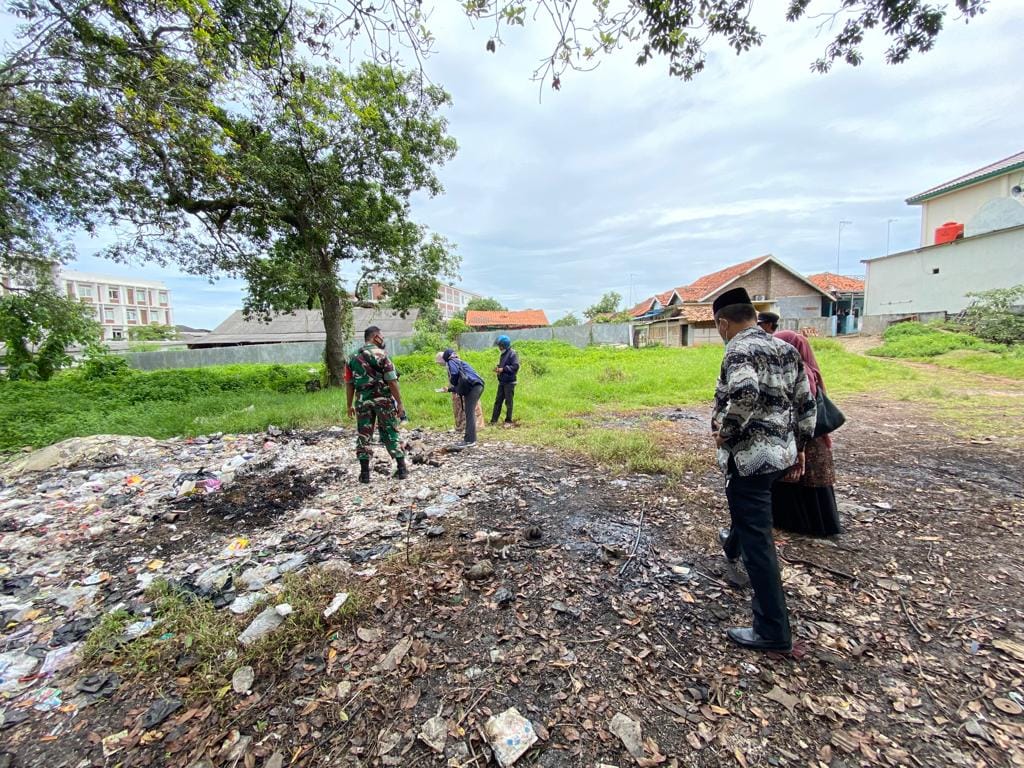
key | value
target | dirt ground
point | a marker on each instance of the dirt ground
(910, 625)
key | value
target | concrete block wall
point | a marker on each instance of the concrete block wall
(311, 352)
(577, 335)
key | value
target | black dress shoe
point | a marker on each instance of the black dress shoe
(723, 536)
(748, 638)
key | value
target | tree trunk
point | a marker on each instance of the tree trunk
(334, 324)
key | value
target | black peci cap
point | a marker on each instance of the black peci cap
(768, 317)
(727, 299)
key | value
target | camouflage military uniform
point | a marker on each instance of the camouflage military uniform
(370, 370)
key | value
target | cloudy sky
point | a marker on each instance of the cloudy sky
(628, 180)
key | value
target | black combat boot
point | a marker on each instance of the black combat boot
(364, 470)
(403, 471)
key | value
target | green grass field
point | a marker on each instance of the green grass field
(950, 349)
(562, 397)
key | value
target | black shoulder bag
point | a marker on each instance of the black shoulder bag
(830, 418)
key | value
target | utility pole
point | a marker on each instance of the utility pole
(888, 232)
(839, 241)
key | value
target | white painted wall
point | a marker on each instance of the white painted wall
(907, 283)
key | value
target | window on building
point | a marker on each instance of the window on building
(108, 315)
(114, 295)
(132, 315)
(935, 270)
(117, 334)
(141, 296)
(163, 298)
(85, 291)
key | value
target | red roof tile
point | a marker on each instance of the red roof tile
(997, 168)
(705, 286)
(643, 307)
(827, 281)
(515, 319)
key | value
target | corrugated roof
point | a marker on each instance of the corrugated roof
(998, 168)
(304, 325)
(828, 281)
(514, 319)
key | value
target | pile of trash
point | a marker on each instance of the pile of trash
(87, 525)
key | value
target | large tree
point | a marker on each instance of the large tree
(199, 133)
(322, 179)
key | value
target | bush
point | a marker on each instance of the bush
(914, 340)
(995, 315)
(101, 364)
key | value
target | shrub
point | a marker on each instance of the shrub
(101, 364)
(914, 340)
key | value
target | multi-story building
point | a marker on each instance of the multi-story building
(450, 300)
(119, 303)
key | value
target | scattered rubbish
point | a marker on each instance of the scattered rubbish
(159, 711)
(284, 609)
(510, 736)
(245, 603)
(112, 743)
(264, 623)
(99, 684)
(137, 629)
(242, 680)
(629, 733)
(434, 733)
(339, 600)
(15, 665)
(1008, 706)
(44, 699)
(503, 597)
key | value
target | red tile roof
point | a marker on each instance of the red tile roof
(703, 287)
(516, 319)
(827, 281)
(643, 307)
(998, 168)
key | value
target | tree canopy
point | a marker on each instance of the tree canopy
(606, 305)
(568, 320)
(484, 304)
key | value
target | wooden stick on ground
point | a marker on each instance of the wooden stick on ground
(801, 561)
(636, 542)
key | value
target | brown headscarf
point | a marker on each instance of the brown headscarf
(810, 363)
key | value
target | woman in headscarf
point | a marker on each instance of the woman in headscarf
(808, 505)
(466, 387)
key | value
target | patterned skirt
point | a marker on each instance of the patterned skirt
(809, 506)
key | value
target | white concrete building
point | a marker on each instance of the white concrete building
(452, 300)
(932, 281)
(119, 303)
(961, 199)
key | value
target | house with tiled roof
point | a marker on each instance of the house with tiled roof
(683, 317)
(972, 240)
(480, 320)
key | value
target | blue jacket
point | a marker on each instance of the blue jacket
(509, 363)
(462, 377)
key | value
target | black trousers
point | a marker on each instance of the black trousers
(469, 402)
(750, 509)
(506, 394)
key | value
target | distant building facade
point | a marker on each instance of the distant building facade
(981, 249)
(450, 300)
(119, 303)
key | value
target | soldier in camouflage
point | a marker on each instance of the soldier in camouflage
(371, 380)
